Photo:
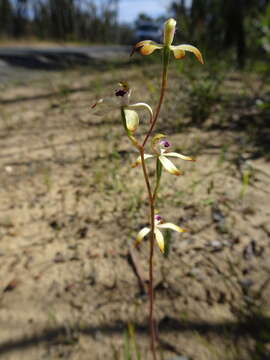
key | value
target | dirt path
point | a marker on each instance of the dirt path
(25, 63)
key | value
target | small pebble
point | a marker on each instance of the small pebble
(9, 169)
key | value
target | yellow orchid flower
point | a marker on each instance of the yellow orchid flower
(121, 100)
(147, 47)
(160, 147)
(159, 224)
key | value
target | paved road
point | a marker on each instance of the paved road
(16, 62)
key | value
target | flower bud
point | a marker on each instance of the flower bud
(169, 30)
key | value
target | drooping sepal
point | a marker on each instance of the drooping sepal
(139, 160)
(179, 51)
(159, 239)
(180, 156)
(169, 166)
(172, 226)
(141, 234)
(146, 47)
(142, 106)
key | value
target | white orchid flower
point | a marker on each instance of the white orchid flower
(161, 152)
(121, 100)
(159, 224)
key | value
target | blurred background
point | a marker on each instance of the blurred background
(72, 285)
(217, 25)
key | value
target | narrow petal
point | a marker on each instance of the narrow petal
(142, 106)
(110, 101)
(99, 101)
(149, 49)
(139, 160)
(160, 240)
(132, 119)
(169, 166)
(146, 42)
(141, 234)
(179, 51)
(178, 54)
(171, 227)
(146, 47)
(183, 157)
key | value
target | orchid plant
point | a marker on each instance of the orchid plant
(160, 149)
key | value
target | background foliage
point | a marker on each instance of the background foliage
(214, 24)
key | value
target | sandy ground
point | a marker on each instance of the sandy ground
(71, 206)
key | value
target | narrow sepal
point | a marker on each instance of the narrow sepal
(99, 101)
(179, 54)
(139, 160)
(169, 166)
(180, 156)
(179, 51)
(110, 101)
(160, 240)
(141, 234)
(146, 47)
(142, 106)
(171, 226)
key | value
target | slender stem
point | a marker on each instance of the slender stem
(152, 221)
(155, 192)
(162, 93)
(151, 286)
(151, 255)
(166, 54)
(146, 178)
(152, 198)
(158, 174)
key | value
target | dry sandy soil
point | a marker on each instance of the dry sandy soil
(71, 206)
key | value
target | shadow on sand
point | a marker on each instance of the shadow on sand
(255, 328)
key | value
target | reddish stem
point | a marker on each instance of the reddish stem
(151, 287)
(151, 199)
(162, 93)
